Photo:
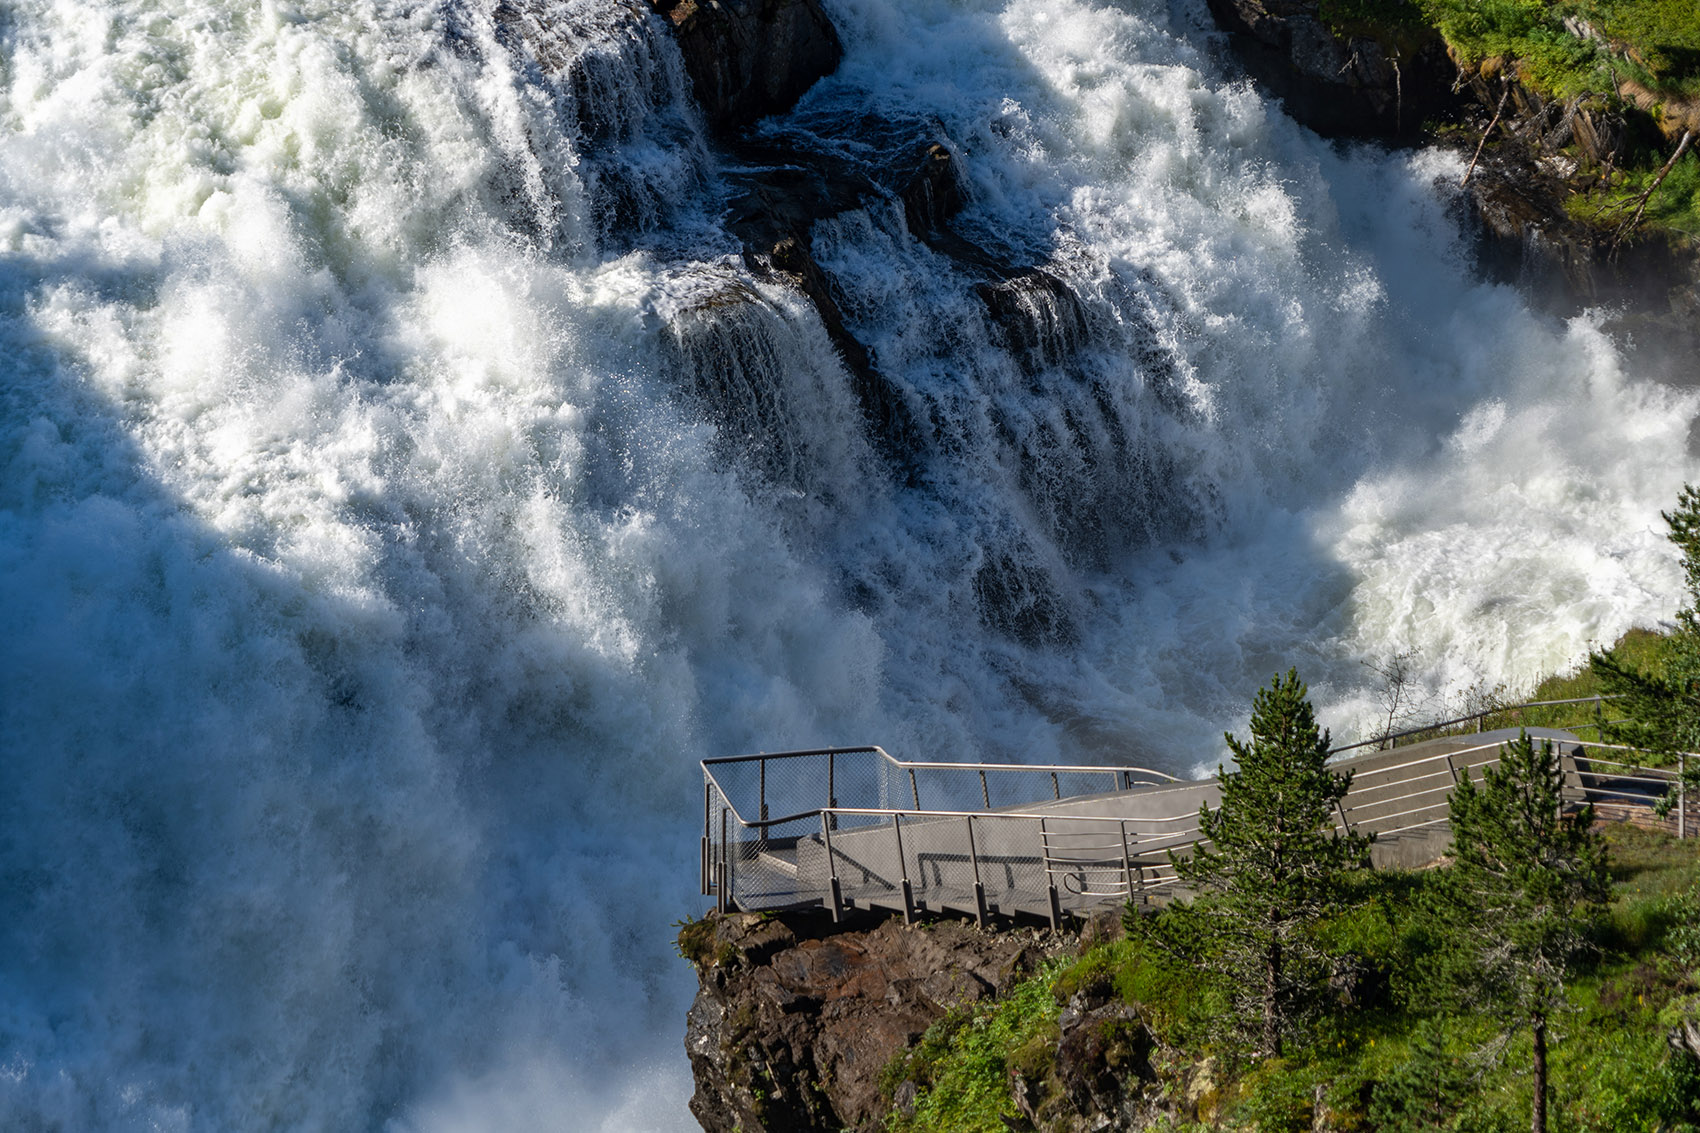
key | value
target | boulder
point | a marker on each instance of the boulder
(748, 59)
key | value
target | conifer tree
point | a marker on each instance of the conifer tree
(1272, 869)
(1520, 899)
(1663, 705)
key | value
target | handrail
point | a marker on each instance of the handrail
(1479, 716)
(718, 759)
(945, 765)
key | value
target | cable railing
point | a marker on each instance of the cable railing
(848, 828)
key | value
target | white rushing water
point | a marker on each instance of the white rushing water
(405, 484)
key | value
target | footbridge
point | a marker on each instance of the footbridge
(855, 828)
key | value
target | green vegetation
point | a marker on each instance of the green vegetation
(1383, 1058)
(1517, 909)
(1640, 58)
(1546, 975)
(1562, 50)
(1273, 868)
(964, 1061)
(1663, 700)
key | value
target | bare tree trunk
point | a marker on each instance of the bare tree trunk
(1538, 1109)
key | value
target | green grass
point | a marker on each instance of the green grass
(962, 1063)
(1673, 208)
(1654, 42)
(1611, 1069)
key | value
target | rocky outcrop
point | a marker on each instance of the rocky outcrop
(800, 1025)
(751, 58)
(1342, 86)
(794, 1023)
(1395, 82)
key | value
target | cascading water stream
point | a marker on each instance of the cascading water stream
(406, 481)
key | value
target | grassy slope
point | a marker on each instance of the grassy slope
(1611, 1069)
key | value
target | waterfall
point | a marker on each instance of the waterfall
(415, 462)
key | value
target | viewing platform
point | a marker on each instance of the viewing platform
(854, 828)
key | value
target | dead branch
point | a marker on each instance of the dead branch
(1629, 225)
(1470, 172)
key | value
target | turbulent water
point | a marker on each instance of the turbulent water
(405, 483)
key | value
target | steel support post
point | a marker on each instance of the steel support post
(914, 789)
(835, 891)
(1682, 796)
(1127, 861)
(979, 889)
(985, 792)
(903, 871)
(725, 866)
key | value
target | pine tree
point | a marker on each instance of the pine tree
(1520, 899)
(1272, 869)
(1663, 706)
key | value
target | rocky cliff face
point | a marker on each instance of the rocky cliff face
(794, 1023)
(798, 1026)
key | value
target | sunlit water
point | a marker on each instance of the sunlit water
(405, 484)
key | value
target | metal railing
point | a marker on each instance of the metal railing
(773, 840)
(1437, 729)
(846, 827)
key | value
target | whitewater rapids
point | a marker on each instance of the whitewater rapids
(375, 566)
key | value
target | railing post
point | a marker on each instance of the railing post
(903, 870)
(1127, 860)
(835, 892)
(979, 889)
(1056, 791)
(985, 792)
(722, 883)
(1452, 767)
(1340, 809)
(707, 853)
(831, 789)
(1050, 880)
(1681, 796)
(914, 790)
(762, 797)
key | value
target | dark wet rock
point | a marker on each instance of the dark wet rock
(1341, 86)
(1017, 598)
(1041, 318)
(748, 59)
(933, 193)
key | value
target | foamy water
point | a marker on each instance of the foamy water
(389, 522)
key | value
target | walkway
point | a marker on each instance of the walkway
(847, 829)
